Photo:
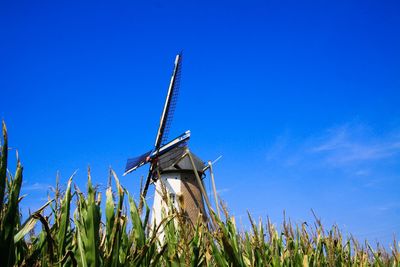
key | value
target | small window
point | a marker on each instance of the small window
(172, 197)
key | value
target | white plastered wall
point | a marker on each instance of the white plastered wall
(172, 183)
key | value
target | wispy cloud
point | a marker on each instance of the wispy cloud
(223, 190)
(362, 172)
(353, 147)
(35, 187)
(219, 192)
(351, 143)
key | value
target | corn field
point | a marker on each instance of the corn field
(75, 231)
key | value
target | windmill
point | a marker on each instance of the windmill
(173, 168)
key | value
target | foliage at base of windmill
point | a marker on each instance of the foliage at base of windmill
(127, 239)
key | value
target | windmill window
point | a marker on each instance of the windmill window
(172, 197)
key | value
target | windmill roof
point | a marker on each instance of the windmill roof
(175, 160)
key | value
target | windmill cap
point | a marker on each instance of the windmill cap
(176, 160)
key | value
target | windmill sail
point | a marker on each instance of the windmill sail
(165, 121)
(134, 163)
(170, 104)
(162, 134)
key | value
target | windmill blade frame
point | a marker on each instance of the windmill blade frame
(165, 121)
(134, 163)
(170, 103)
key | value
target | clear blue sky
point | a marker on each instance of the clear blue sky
(301, 99)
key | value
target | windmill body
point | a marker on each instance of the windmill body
(174, 170)
(178, 181)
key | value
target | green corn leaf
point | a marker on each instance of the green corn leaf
(3, 165)
(110, 215)
(113, 256)
(87, 221)
(218, 255)
(64, 223)
(79, 232)
(91, 218)
(9, 221)
(196, 257)
(29, 224)
(137, 227)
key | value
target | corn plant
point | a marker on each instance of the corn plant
(9, 199)
(122, 237)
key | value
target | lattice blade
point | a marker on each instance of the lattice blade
(170, 104)
(134, 163)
